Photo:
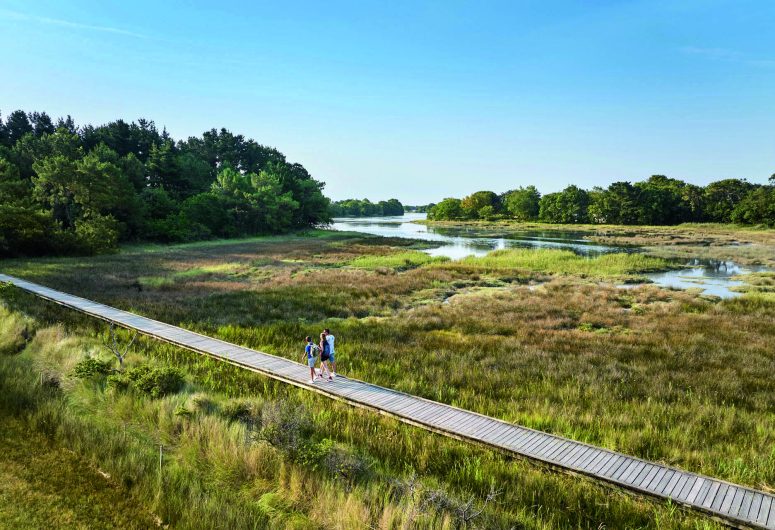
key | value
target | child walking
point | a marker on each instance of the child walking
(311, 352)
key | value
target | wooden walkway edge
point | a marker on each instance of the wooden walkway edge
(736, 505)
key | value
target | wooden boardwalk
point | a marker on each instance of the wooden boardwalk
(736, 505)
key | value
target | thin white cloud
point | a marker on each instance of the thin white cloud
(15, 15)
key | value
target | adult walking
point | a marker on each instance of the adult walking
(325, 355)
(330, 340)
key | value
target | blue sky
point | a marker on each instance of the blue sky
(421, 100)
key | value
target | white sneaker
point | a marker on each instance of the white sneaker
(333, 374)
(311, 381)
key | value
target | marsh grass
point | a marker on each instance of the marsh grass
(43, 485)
(217, 471)
(664, 375)
(749, 245)
(399, 261)
(551, 261)
(16, 330)
(758, 284)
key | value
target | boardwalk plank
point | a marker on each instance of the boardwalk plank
(731, 492)
(557, 450)
(563, 452)
(580, 455)
(538, 440)
(683, 494)
(771, 519)
(641, 477)
(572, 455)
(599, 458)
(725, 500)
(720, 495)
(732, 502)
(756, 504)
(674, 486)
(628, 475)
(745, 505)
(590, 455)
(611, 465)
(707, 502)
(602, 463)
(737, 501)
(547, 447)
(516, 438)
(699, 488)
(629, 466)
(524, 439)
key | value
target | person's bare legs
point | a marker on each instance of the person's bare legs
(328, 370)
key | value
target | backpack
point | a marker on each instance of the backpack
(314, 350)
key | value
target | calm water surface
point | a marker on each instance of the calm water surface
(711, 276)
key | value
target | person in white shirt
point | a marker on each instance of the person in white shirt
(330, 339)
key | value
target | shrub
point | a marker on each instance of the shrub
(156, 382)
(90, 367)
(347, 465)
(119, 382)
(285, 426)
(237, 410)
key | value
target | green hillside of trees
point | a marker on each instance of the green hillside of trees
(657, 201)
(80, 190)
(366, 208)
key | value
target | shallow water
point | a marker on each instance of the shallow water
(712, 277)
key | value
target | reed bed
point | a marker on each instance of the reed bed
(534, 337)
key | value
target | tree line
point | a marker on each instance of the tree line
(66, 189)
(658, 200)
(366, 208)
(420, 208)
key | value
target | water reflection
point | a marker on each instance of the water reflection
(462, 242)
(713, 277)
(710, 276)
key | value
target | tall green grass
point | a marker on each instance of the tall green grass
(217, 473)
(399, 260)
(550, 261)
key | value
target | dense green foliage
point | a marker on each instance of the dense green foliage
(80, 190)
(156, 382)
(366, 208)
(657, 201)
(92, 366)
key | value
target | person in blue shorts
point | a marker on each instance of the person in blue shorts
(330, 340)
(311, 353)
